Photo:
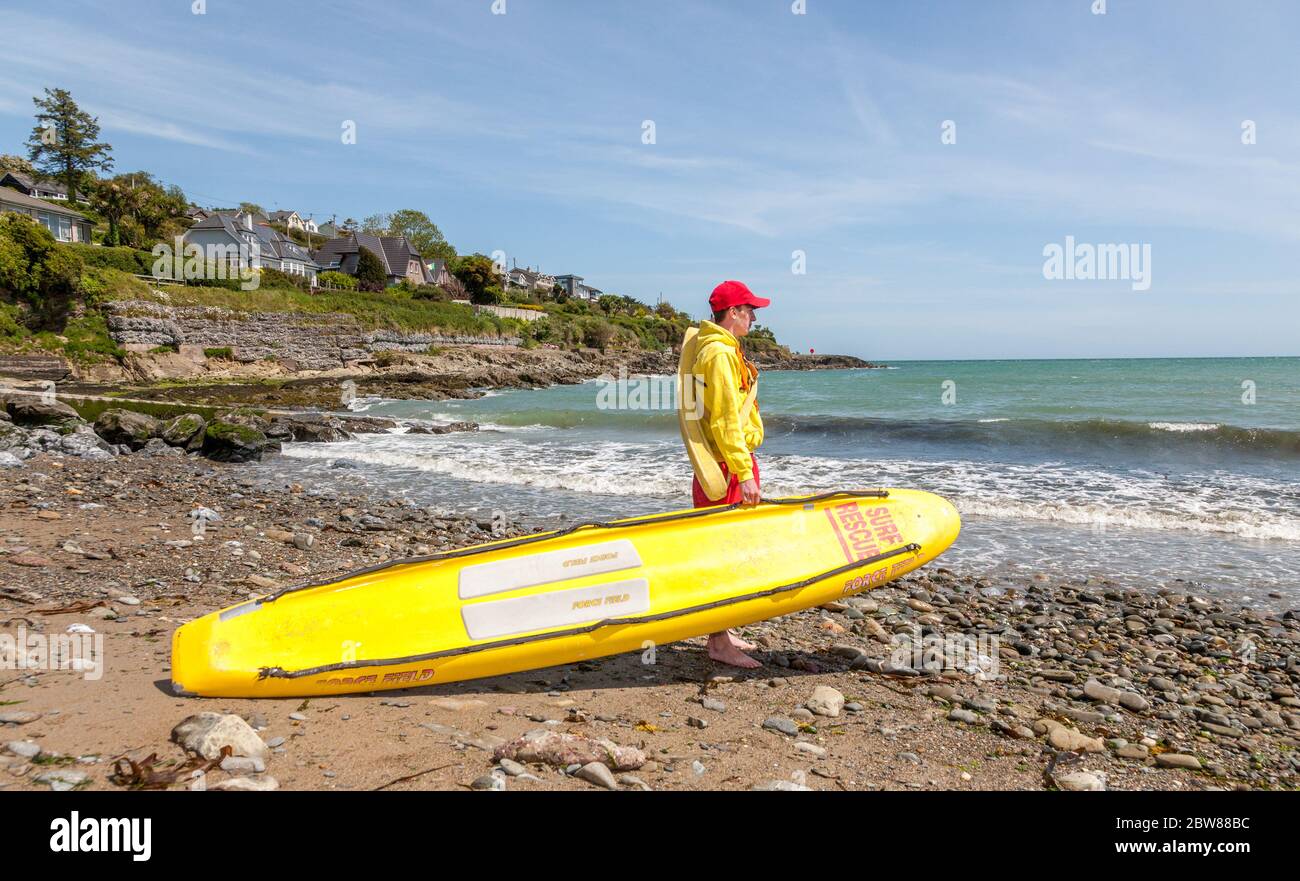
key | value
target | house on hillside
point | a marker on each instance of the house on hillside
(293, 220)
(65, 224)
(38, 189)
(238, 242)
(573, 286)
(529, 279)
(443, 278)
(401, 261)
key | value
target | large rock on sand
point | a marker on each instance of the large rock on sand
(185, 431)
(36, 410)
(227, 442)
(127, 427)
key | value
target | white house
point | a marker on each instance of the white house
(65, 224)
(237, 243)
(529, 279)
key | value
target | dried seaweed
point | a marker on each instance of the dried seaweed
(142, 775)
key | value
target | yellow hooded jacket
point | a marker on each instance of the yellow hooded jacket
(727, 377)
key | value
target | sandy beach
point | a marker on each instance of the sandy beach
(1096, 686)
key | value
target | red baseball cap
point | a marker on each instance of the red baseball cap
(735, 293)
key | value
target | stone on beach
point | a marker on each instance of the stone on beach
(127, 427)
(229, 442)
(1070, 740)
(185, 430)
(1178, 760)
(206, 733)
(597, 773)
(560, 750)
(62, 780)
(825, 701)
(1082, 781)
(260, 783)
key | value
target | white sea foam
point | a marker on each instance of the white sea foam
(1219, 503)
(1184, 426)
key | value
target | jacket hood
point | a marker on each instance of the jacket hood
(712, 333)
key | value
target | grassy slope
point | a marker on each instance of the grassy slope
(86, 339)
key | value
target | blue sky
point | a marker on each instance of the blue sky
(774, 132)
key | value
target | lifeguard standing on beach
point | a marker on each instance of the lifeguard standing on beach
(719, 420)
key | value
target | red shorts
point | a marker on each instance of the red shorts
(700, 500)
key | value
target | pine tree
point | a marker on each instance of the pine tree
(64, 143)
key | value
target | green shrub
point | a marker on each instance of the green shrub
(127, 260)
(274, 278)
(11, 325)
(597, 334)
(337, 280)
(220, 353)
(32, 264)
(430, 292)
(213, 280)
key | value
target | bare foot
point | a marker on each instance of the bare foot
(740, 643)
(722, 650)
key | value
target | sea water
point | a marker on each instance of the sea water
(1147, 472)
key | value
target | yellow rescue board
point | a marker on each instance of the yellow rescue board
(561, 597)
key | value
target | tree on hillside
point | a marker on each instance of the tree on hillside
(64, 143)
(371, 275)
(609, 303)
(139, 209)
(18, 164)
(478, 273)
(419, 230)
(375, 225)
(116, 202)
(347, 227)
(251, 208)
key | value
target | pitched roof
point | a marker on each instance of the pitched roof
(270, 241)
(28, 182)
(393, 251)
(13, 197)
(281, 215)
(280, 245)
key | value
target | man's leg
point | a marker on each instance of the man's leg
(724, 646)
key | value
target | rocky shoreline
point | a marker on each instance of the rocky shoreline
(31, 424)
(943, 680)
(461, 371)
